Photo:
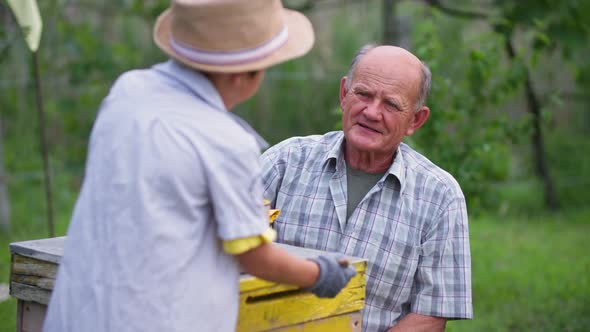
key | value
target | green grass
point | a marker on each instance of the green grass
(8, 315)
(529, 273)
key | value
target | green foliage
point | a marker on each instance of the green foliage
(467, 133)
(475, 142)
(471, 132)
(552, 22)
(4, 42)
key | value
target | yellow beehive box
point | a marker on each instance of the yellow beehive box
(264, 306)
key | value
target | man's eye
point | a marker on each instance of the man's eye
(392, 106)
(362, 93)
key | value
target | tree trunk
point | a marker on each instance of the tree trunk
(533, 107)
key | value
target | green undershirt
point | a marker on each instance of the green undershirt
(358, 184)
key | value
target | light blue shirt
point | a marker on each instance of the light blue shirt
(170, 174)
(411, 226)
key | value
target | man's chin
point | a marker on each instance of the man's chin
(362, 144)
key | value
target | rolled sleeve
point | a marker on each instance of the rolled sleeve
(240, 246)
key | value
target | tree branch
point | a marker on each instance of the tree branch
(456, 12)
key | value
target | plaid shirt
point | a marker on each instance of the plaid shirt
(411, 226)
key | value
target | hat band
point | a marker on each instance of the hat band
(230, 58)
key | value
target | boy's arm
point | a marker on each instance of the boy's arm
(273, 263)
(324, 276)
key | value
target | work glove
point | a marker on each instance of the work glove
(333, 276)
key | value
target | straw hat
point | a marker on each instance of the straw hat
(231, 36)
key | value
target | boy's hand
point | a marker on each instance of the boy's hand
(334, 275)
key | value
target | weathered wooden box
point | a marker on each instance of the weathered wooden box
(264, 306)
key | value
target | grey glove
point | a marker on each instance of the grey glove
(333, 277)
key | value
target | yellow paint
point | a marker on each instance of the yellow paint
(273, 214)
(341, 323)
(265, 306)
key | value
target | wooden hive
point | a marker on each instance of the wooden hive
(264, 306)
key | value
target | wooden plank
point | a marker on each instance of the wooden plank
(283, 305)
(43, 283)
(33, 267)
(341, 323)
(29, 293)
(49, 250)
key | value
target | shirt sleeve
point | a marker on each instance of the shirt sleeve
(442, 285)
(271, 175)
(235, 186)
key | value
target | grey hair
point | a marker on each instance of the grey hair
(426, 75)
(359, 54)
(425, 85)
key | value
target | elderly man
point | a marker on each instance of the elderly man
(363, 192)
(172, 202)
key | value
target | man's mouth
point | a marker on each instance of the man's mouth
(369, 128)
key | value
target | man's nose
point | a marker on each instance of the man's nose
(372, 111)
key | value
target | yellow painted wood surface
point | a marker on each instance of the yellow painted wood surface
(266, 306)
(342, 323)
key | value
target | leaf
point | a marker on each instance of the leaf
(541, 41)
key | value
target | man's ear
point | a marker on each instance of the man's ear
(418, 119)
(343, 90)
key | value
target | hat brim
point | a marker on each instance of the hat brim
(299, 42)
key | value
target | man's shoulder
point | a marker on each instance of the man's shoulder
(419, 166)
(305, 145)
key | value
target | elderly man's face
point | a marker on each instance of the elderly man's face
(379, 107)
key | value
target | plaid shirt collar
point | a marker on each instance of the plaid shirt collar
(334, 158)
